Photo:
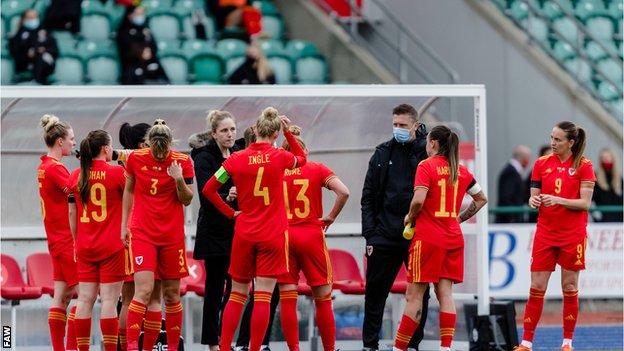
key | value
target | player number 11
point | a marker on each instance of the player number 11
(442, 212)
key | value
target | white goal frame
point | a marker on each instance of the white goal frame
(477, 92)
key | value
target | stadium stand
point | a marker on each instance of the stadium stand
(88, 57)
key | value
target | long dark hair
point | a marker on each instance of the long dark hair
(130, 136)
(90, 147)
(578, 134)
(449, 148)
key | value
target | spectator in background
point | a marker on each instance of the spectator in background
(543, 151)
(255, 70)
(511, 184)
(236, 14)
(137, 50)
(63, 15)
(609, 186)
(33, 49)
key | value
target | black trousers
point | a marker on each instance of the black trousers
(245, 326)
(215, 298)
(383, 265)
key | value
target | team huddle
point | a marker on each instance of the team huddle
(117, 230)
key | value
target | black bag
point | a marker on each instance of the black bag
(161, 342)
(494, 332)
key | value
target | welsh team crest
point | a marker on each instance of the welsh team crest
(571, 171)
(369, 250)
(138, 260)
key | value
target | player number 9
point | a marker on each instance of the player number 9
(557, 185)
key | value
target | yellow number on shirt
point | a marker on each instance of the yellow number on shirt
(153, 189)
(557, 185)
(98, 198)
(442, 212)
(286, 203)
(181, 260)
(261, 191)
(301, 197)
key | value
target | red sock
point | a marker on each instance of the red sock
(288, 318)
(231, 317)
(532, 313)
(325, 322)
(109, 327)
(173, 324)
(56, 322)
(71, 330)
(123, 343)
(570, 313)
(259, 319)
(404, 334)
(151, 329)
(136, 310)
(447, 328)
(83, 333)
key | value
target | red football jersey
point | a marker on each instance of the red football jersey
(437, 221)
(304, 187)
(53, 191)
(157, 215)
(560, 179)
(258, 173)
(99, 222)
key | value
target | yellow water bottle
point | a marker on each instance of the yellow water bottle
(408, 232)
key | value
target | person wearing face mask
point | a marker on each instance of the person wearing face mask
(255, 69)
(137, 50)
(386, 196)
(33, 49)
(609, 186)
(511, 184)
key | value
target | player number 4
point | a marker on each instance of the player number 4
(261, 191)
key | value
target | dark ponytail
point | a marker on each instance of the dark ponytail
(90, 147)
(130, 136)
(578, 134)
(449, 148)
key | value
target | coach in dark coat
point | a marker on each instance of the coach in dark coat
(511, 184)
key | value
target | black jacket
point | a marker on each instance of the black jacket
(214, 231)
(63, 15)
(388, 189)
(247, 74)
(36, 40)
(608, 196)
(511, 192)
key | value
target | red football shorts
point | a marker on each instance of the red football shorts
(112, 269)
(307, 252)
(545, 256)
(167, 261)
(130, 277)
(64, 268)
(266, 258)
(429, 263)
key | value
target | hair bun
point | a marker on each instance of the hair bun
(295, 130)
(270, 113)
(48, 121)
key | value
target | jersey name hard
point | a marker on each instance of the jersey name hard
(157, 214)
(560, 179)
(99, 223)
(304, 203)
(437, 221)
(258, 173)
(53, 190)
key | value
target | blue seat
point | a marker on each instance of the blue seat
(169, 47)
(282, 68)
(95, 26)
(230, 48)
(311, 70)
(589, 8)
(555, 8)
(563, 51)
(600, 28)
(537, 29)
(176, 68)
(194, 47)
(567, 28)
(579, 68)
(165, 25)
(596, 51)
(103, 70)
(69, 71)
(297, 49)
(272, 47)
(89, 48)
(10, 8)
(611, 69)
(518, 10)
(273, 25)
(207, 68)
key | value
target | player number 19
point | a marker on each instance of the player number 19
(97, 200)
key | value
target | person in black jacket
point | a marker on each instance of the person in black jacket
(33, 49)
(543, 151)
(63, 15)
(511, 184)
(608, 190)
(137, 50)
(255, 69)
(213, 241)
(386, 196)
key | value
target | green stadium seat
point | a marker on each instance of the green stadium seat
(518, 10)
(41, 6)
(115, 13)
(103, 70)
(502, 4)
(616, 9)
(273, 47)
(563, 51)
(273, 25)
(267, 8)
(7, 70)
(231, 47)
(3, 30)
(207, 68)
(95, 26)
(537, 29)
(10, 8)
(92, 6)
(87, 49)
(233, 33)
(65, 42)
(13, 25)
(567, 28)
(579, 68)
(282, 68)
(589, 8)
(301, 48)
(189, 29)
(311, 70)
(157, 5)
(165, 25)
(194, 47)
(186, 7)
(595, 50)
(554, 9)
(176, 68)
(169, 47)
(600, 28)
(607, 92)
(69, 70)
(617, 108)
(5, 48)
(232, 64)
(611, 69)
